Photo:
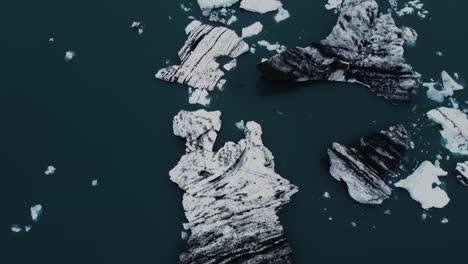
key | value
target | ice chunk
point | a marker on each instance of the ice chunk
(260, 6)
(444, 220)
(449, 83)
(326, 195)
(69, 55)
(230, 65)
(51, 39)
(232, 20)
(462, 169)
(423, 186)
(16, 228)
(138, 26)
(277, 47)
(27, 228)
(439, 53)
(333, 4)
(199, 96)
(240, 125)
(282, 14)
(210, 4)
(409, 35)
(36, 212)
(185, 8)
(50, 170)
(353, 224)
(252, 30)
(455, 128)
(184, 235)
(95, 183)
(388, 212)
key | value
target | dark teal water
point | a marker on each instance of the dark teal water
(103, 115)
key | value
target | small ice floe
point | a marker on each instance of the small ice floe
(449, 85)
(444, 220)
(27, 228)
(199, 96)
(388, 212)
(51, 39)
(69, 55)
(240, 125)
(462, 169)
(94, 183)
(211, 4)
(454, 128)
(252, 30)
(271, 47)
(185, 8)
(16, 228)
(184, 235)
(424, 216)
(231, 20)
(326, 195)
(439, 53)
(36, 212)
(333, 4)
(138, 26)
(230, 65)
(409, 8)
(353, 224)
(260, 6)
(330, 218)
(252, 50)
(410, 36)
(282, 15)
(423, 186)
(50, 170)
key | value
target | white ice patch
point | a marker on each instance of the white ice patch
(36, 212)
(449, 83)
(240, 125)
(199, 96)
(185, 8)
(260, 6)
(326, 195)
(69, 55)
(230, 65)
(138, 26)
(420, 186)
(437, 92)
(94, 183)
(410, 36)
(454, 128)
(231, 20)
(50, 170)
(271, 47)
(210, 4)
(333, 4)
(252, 30)
(16, 228)
(409, 8)
(444, 220)
(282, 14)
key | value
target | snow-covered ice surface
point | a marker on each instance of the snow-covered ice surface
(205, 43)
(210, 4)
(423, 186)
(36, 212)
(454, 128)
(252, 30)
(261, 6)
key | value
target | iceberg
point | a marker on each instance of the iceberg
(36, 212)
(252, 30)
(260, 6)
(454, 128)
(210, 4)
(282, 14)
(423, 186)
(50, 170)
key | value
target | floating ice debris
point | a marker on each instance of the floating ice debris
(423, 186)
(204, 44)
(364, 47)
(410, 7)
(231, 20)
(50, 170)
(16, 228)
(282, 15)
(444, 220)
(36, 212)
(462, 169)
(439, 53)
(326, 195)
(51, 39)
(353, 224)
(136, 25)
(388, 212)
(235, 187)
(199, 96)
(27, 228)
(252, 50)
(240, 125)
(94, 183)
(184, 235)
(277, 47)
(330, 218)
(449, 83)
(333, 4)
(69, 55)
(454, 128)
(364, 167)
(210, 4)
(252, 30)
(409, 35)
(230, 65)
(423, 216)
(185, 8)
(221, 84)
(260, 6)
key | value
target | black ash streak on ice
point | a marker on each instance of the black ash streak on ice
(231, 196)
(365, 47)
